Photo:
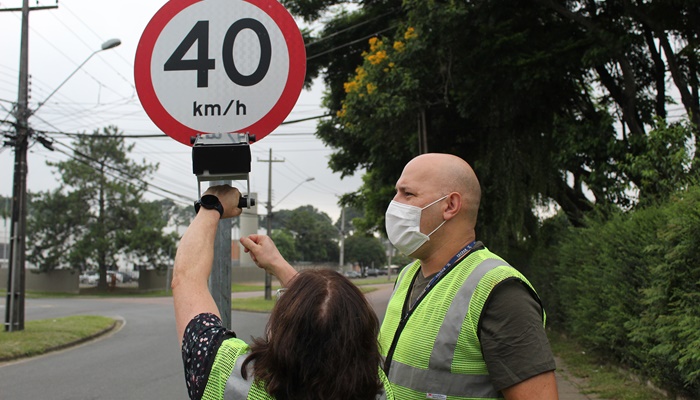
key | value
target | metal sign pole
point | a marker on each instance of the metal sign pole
(220, 280)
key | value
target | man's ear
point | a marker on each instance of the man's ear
(454, 205)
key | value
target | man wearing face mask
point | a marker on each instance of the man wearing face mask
(461, 322)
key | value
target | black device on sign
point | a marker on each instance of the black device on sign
(223, 156)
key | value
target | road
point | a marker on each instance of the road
(139, 361)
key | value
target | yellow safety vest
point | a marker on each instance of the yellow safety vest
(437, 354)
(226, 382)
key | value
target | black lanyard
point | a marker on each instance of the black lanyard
(408, 312)
(453, 261)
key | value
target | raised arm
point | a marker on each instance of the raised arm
(265, 255)
(194, 257)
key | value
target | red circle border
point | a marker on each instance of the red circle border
(182, 133)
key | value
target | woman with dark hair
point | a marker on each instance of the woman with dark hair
(320, 341)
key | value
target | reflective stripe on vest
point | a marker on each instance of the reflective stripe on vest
(446, 341)
(438, 378)
(443, 382)
(237, 388)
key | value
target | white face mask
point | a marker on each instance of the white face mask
(403, 226)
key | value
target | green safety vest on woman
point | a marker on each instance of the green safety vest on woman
(226, 382)
(437, 354)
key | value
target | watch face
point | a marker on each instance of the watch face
(209, 201)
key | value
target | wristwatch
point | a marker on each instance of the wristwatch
(210, 202)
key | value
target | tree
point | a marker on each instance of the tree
(350, 214)
(315, 237)
(365, 250)
(98, 213)
(531, 94)
(284, 240)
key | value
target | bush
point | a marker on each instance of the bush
(628, 285)
(668, 330)
(607, 269)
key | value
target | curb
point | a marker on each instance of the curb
(118, 323)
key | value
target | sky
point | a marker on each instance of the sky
(102, 93)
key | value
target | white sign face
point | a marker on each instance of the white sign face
(218, 66)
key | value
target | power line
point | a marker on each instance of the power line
(101, 39)
(351, 43)
(92, 159)
(86, 160)
(350, 28)
(162, 135)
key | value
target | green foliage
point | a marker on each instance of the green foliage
(549, 101)
(668, 329)
(365, 250)
(662, 167)
(532, 94)
(351, 214)
(401, 260)
(315, 237)
(628, 285)
(98, 213)
(41, 336)
(284, 240)
(607, 267)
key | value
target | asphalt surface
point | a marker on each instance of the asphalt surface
(140, 360)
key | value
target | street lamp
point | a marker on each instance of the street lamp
(268, 278)
(110, 44)
(295, 188)
(14, 309)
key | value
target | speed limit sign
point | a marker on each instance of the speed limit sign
(219, 66)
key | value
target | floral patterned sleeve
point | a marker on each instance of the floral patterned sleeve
(201, 341)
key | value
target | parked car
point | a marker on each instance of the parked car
(352, 274)
(372, 272)
(128, 277)
(89, 278)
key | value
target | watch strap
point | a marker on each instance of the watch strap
(210, 202)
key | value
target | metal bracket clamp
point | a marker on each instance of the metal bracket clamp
(221, 157)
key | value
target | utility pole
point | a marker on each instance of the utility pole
(14, 306)
(341, 262)
(268, 278)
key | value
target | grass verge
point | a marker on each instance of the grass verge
(124, 292)
(250, 287)
(257, 287)
(46, 335)
(93, 292)
(605, 380)
(259, 304)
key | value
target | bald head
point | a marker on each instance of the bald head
(446, 173)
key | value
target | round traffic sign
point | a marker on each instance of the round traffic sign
(219, 66)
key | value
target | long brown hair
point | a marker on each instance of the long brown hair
(321, 342)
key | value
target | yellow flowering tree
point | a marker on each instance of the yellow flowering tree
(381, 100)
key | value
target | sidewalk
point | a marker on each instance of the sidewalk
(568, 385)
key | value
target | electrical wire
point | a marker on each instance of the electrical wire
(101, 109)
(127, 178)
(148, 185)
(352, 42)
(350, 28)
